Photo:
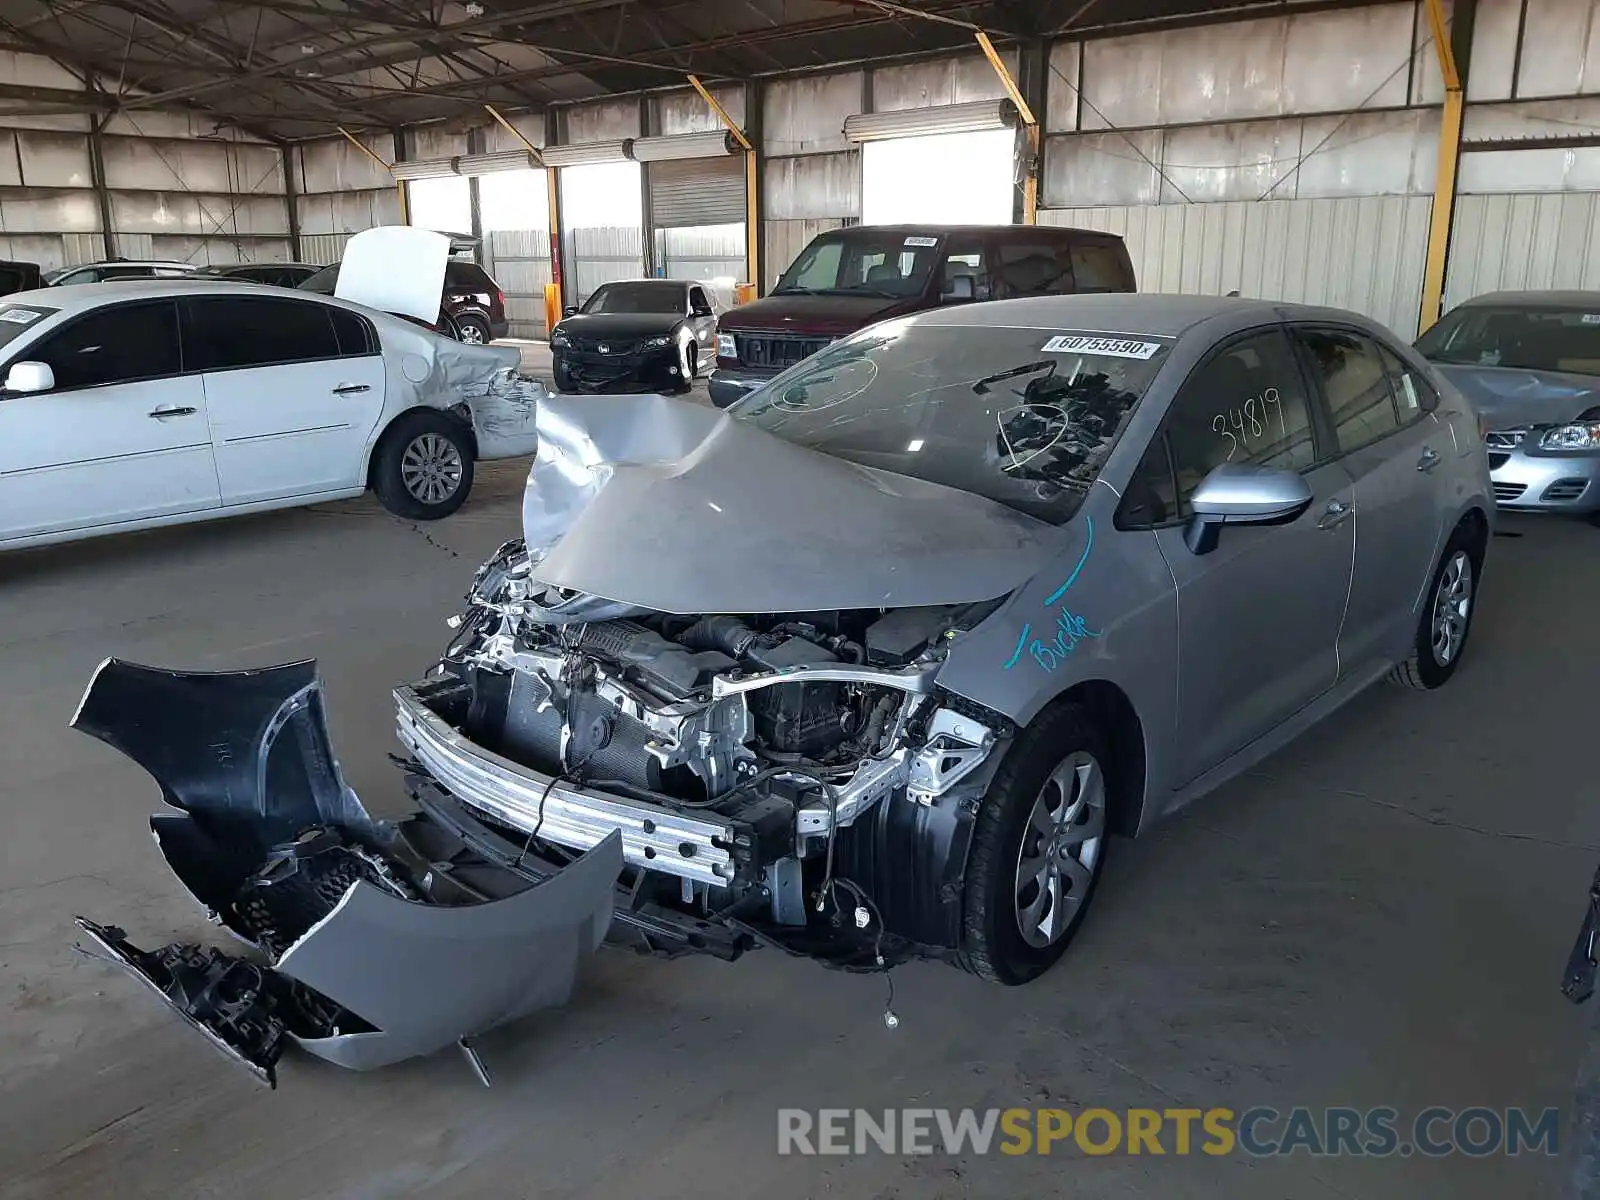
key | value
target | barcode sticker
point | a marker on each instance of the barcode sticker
(922, 241)
(1591, 318)
(20, 316)
(1410, 389)
(1112, 347)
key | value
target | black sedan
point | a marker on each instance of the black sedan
(649, 335)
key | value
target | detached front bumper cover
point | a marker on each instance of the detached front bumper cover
(373, 942)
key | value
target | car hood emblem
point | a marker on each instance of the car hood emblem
(604, 349)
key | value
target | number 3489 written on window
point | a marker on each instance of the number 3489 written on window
(1252, 422)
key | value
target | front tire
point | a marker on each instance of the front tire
(1446, 620)
(422, 469)
(1038, 849)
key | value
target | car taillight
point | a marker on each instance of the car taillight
(500, 297)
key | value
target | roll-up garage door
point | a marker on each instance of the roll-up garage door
(696, 191)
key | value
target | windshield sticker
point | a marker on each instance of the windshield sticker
(1410, 389)
(1110, 347)
(1253, 421)
(921, 241)
(20, 316)
(1070, 628)
(1591, 318)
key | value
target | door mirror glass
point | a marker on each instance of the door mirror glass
(28, 377)
(1240, 494)
(570, 310)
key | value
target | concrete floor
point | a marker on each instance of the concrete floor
(1377, 916)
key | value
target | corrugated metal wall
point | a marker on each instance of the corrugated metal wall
(519, 260)
(1532, 241)
(341, 191)
(180, 186)
(1302, 251)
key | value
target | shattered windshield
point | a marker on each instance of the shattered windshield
(1535, 339)
(1025, 417)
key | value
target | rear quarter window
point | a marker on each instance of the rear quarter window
(467, 275)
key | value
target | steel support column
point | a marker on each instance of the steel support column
(555, 296)
(97, 179)
(1451, 47)
(752, 174)
(399, 184)
(291, 199)
(1032, 141)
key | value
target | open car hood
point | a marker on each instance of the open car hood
(396, 269)
(677, 507)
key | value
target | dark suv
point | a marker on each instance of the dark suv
(850, 278)
(472, 309)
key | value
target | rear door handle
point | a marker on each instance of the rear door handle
(1429, 460)
(1337, 513)
(348, 389)
(173, 412)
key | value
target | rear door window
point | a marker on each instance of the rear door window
(467, 276)
(1033, 266)
(1100, 267)
(124, 344)
(225, 333)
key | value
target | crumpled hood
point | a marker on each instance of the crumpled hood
(677, 507)
(1512, 396)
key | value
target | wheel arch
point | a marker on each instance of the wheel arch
(458, 414)
(1117, 717)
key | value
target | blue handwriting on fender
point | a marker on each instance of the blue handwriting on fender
(1070, 628)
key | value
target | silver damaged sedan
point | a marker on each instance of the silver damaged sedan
(876, 662)
(1530, 364)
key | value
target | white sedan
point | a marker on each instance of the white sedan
(128, 405)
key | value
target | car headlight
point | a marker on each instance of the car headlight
(658, 343)
(559, 339)
(727, 347)
(1581, 435)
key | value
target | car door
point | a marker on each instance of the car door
(702, 320)
(122, 435)
(294, 388)
(1382, 417)
(1259, 615)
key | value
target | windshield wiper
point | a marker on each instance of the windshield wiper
(983, 388)
(794, 291)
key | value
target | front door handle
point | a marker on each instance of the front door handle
(1429, 460)
(1337, 513)
(173, 412)
(350, 389)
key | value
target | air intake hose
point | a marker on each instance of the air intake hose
(727, 634)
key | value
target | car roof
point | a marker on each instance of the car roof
(1126, 312)
(940, 230)
(83, 297)
(133, 262)
(1539, 299)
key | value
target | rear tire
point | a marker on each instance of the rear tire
(1039, 847)
(472, 330)
(1446, 621)
(422, 468)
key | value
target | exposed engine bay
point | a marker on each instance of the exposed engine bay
(741, 755)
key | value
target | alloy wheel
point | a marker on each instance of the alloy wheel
(1060, 849)
(471, 334)
(1452, 608)
(431, 468)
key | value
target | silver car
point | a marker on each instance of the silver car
(1530, 364)
(871, 665)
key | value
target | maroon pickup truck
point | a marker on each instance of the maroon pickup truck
(849, 278)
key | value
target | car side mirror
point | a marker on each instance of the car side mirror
(570, 310)
(1236, 494)
(26, 377)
